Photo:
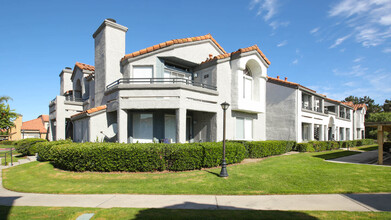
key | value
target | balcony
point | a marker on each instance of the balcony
(306, 106)
(73, 99)
(182, 81)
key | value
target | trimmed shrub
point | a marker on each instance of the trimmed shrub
(109, 157)
(363, 142)
(27, 146)
(213, 153)
(258, 149)
(43, 149)
(304, 147)
(7, 142)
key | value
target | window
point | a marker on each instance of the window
(142, 127)
(244, 129)
(170, 128)
(142, 72)
(247, 83)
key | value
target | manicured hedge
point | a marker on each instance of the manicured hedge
(43, 149)
(142, 157)
(313, 146)
(27, 146)
(258, 149)
(7, 142)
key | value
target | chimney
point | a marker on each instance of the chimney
(210, 56)
(286, 78)
(65, 80)
(109, 49)
(278, 77)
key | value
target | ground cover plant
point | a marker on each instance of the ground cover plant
(25, 212)
(301, 173)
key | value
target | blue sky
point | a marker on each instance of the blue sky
(337, 47)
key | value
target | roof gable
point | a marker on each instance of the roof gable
(173, 42)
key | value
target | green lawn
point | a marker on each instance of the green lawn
(15, 157)
(303, 173)
(366, 148)
(21, 212)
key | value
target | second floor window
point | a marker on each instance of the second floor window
(247, 84)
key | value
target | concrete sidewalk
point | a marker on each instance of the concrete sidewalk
(369, 157)
(331, 202)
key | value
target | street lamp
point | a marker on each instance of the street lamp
(224, 172)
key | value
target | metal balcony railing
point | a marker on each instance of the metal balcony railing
(160, 81)
(73, 99)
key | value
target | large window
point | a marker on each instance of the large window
(170, 128)
(247, 84)
(142, 128)
(142, 72)
(244, 129)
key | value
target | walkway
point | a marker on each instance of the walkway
(332, 202)
(369, 157)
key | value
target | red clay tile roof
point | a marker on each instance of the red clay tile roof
(85, 66)
(355, 106)
(241, 50)
(290, 83)
(171, 42)
(34, 125)
(91, 110)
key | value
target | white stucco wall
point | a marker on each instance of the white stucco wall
(281, 112)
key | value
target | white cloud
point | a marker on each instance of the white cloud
(368, 20)
(315, 30)
(296, 61)
(267, 7)
(387, 50)
(358, 59)
(339, 41)
(283, 43)
(350, 84)
(356, 71)
(277, 24)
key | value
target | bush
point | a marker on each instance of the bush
(43, 149)
(317, 146)
(7, 142)
(363, 142)
(258, 149)
(140, 157)
(27, 146)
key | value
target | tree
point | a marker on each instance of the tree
(378, 117)
(387, 105)
(372, 107)
(7, 115)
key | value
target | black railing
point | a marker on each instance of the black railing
(73, 99)
(160, 81)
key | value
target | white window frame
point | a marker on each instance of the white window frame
(248, 128)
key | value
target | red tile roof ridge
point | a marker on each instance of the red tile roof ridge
(292, 83)
(171, 42)
(91, 110)
(241, 50)
(84, 66)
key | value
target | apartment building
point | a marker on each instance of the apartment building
(298, 113)
(169, 92)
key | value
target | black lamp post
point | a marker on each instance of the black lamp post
(224, 172)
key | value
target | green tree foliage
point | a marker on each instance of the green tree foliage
(387, 105)
(372, 106)
(7, 115)
(378, 117)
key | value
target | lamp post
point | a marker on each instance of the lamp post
(224, 172)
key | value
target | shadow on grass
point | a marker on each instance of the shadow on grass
(190, 210)
(333, 155)
(216, 174)
(5, 206)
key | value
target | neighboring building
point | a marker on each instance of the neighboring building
(358, 119)
(15, 132)
(168, 92)
(295, 112)
(36, 128)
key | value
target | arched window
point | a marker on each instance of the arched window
(247, 83)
